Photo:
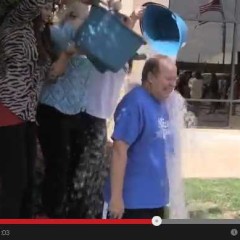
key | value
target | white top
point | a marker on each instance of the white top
(104, 92)
(196, 88)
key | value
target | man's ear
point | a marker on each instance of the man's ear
(150, 77)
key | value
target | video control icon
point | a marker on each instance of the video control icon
(156, 221)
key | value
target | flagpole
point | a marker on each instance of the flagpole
(223, 33)
(224, 41)
(199, 57)
(233, 59)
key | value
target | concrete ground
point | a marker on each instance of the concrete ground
(211, 153)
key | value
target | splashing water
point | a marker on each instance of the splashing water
(179, 120)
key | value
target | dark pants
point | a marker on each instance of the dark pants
(73, 148)
(143, 213)
(17, 159)
(86, 197)
(61, 140)
(196, 107)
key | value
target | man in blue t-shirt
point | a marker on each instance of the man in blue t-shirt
(138, 185)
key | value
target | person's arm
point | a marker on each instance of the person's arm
(59, 66)
(25, 11)
(190, 83)
(117, 173)
(135, 16)
(66, 47)
(128, 126)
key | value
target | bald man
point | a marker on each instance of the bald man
(138, 185)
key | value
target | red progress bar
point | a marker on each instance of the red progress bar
(75, 221)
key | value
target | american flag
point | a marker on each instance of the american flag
(214, 5)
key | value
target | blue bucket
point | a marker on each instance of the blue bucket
(164, 31)
(107, 42)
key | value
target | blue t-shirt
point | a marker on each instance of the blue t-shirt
(143, 123)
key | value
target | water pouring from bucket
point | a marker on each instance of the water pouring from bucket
(166, 33)
(164, 30)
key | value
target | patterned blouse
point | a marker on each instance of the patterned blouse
(20, 73)
(69, 93)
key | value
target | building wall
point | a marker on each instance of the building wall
(127, 6)
(138, 3)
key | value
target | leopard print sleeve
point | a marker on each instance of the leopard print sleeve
(21, 75)
(25, 11)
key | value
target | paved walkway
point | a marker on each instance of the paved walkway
(211, 153)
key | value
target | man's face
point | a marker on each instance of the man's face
(46, 12)
(163, 83)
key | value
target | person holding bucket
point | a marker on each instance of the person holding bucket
(60, 117)
(102, 97)
(63, 115)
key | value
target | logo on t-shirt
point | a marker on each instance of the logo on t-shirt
(120, 114)
(163, 128)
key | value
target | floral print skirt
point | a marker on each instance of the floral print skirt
(85, 194)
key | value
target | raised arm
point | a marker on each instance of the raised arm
(25, 11)
(135, 16)
(65, 49)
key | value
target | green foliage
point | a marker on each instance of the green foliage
(213, 198)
